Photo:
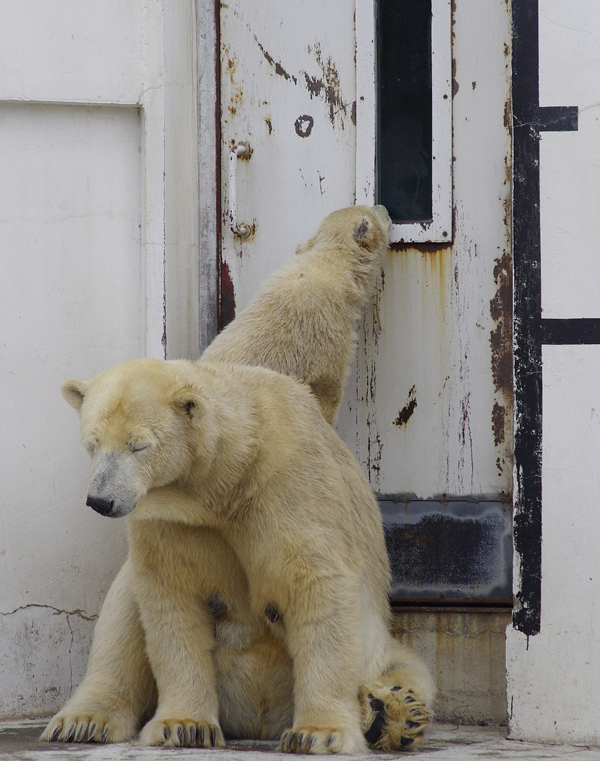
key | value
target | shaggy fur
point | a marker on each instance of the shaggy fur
(302, 322)
(256, 562)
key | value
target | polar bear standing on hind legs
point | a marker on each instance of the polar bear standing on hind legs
(253, 683)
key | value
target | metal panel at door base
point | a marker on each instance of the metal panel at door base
(449, 551)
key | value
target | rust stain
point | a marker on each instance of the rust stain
(501, 345)
(455, 85)
(269, 124)
(508, 115)
(227, 297)
(407, 411)
(498, 427)
(237, 96)
(279, 70)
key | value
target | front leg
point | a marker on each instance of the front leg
(179, 636)
(322, 628)
(118, 690)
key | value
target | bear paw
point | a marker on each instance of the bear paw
(88, 727)
(319, 740)
(182, 733)
(393, 718)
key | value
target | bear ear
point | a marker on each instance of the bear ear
(190, 404)
(302, 248)
(74, 392)
(362, 231)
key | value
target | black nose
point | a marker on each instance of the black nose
(101, 506)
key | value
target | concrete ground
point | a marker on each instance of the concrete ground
(445, 742)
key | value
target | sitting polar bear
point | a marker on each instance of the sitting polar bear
(257, 566)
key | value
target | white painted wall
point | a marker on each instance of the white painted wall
(553, 689)
(98, 231)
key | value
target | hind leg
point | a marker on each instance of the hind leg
(397, 706)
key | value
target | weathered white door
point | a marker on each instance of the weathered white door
(430, 408)
(98, 246)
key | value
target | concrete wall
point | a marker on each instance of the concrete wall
(465, 650)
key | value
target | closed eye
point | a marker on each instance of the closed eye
(138, 446)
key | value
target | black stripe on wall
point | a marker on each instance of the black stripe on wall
(531, 331)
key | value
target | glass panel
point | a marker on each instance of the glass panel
(404, 147)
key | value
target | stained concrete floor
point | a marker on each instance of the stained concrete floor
(445, 742)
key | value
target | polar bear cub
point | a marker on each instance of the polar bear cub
(257, 564)
(302, 322)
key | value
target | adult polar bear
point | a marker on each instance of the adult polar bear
(241, 497)
(312, 305)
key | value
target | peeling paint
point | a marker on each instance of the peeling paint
(303, 125)
(501, 335)
(279, 70)
(498, 424)
(407, 411)
(328, 87)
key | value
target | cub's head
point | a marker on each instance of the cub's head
(136, 421)
(364, 229)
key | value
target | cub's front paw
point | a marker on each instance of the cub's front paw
(182, 733)
(393, 718)
(320, 740)
(84, 727)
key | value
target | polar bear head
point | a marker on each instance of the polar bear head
(354, 228)
(136, 421)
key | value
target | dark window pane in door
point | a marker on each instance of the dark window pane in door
(404, 147)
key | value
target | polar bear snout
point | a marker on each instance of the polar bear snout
(102, 506)
(115, 487)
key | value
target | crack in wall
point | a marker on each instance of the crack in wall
(56, 611)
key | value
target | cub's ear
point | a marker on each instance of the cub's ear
(363, 232)
(302, 248)
(74, 392)
(189, 404)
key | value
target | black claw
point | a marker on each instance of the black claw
(311, 742)
(180, 735)
(71, 734)
(166, 732)
(80, 731)
(56, 733)
(411, 724)
(410, 700)
(213, 737)
(397, 688)
(104, 737)
(374, 733)
(406, 741)
(329, 741)
(91, 732)
(201, 733)
(300, 739)
(192, 734)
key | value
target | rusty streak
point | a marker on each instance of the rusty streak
(227, 297)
